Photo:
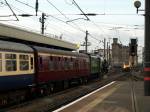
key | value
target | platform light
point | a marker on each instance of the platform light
(78, 46)
(137, 4)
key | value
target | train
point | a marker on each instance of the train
(28, 70)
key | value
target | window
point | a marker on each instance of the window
(65, 64)
(55, 63)
(31, 62)
(11, 63)
(68, 64)
(71, 65)
(62, 63)
(23, 57)
(59, 58)
(0, 65)
(40, 63)
(85, 64)
(50, 63)
(77, 64)
(0, 62)
(59, 63)
(10, 56)
(24, 62)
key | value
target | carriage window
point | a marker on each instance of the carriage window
(24, 62)
(65, 64)
(40, 63)
(10, 56)
(50, 63)
(0, 62)
(0, 56)
(55, 63)
(31, 62)
(59, 63)
(59, 58)
(71, 65)
(0, 65)
(11, 63)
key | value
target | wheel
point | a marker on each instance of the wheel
(65, 84)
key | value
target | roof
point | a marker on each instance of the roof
(59, 52)
(17, 33)
(12, 46)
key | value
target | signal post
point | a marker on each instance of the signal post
(147, 49)
(137, 4)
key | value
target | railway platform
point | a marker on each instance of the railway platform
(116, 97)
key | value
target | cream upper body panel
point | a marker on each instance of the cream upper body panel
(11, 61)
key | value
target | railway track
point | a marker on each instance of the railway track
(132, 80)
(52, 102)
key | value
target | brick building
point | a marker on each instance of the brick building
(120, 54)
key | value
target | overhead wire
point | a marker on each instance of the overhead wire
(75, 3)
(31, 16)
(105, 14)
(23, 13)
(19, 10)
(51, 16)
(62, 13)
(12, 10)
(66, 16)
(58, 19)
(56, 8)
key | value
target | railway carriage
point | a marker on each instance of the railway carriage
(95, 66)
(16, 71)
(58, 66)
(27, 70)
(16, 66)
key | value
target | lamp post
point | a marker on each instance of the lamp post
(137, 4)
(147, 49)
(147, 46)
(86, 42)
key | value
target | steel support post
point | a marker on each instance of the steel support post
(86, 42)
(147, 49)
(104, 48)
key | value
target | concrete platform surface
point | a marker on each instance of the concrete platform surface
(114, 98)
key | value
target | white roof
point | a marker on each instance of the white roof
(14, 32)
(13, 46)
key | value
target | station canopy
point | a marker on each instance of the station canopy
(11, 33)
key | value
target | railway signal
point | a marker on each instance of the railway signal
(147, 49)
(133, 47)
(133, 52)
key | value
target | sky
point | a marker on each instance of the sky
(116, 19)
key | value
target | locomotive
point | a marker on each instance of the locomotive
(27, 70)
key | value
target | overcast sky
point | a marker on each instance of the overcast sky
(117, 19)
